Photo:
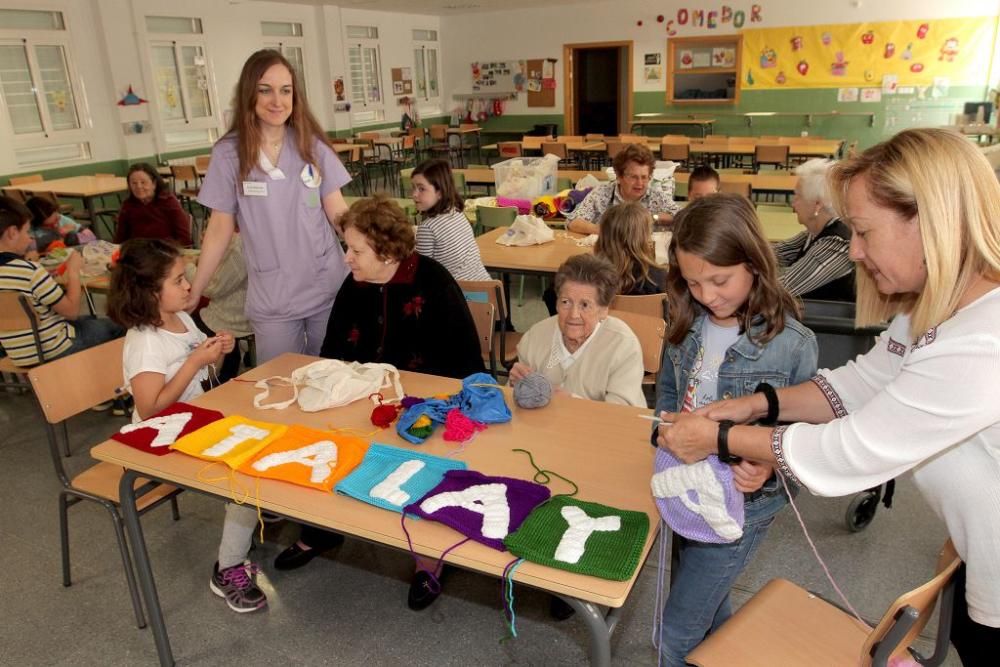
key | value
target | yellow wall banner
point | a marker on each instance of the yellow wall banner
(861, 54)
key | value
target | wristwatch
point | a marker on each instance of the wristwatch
(723, 443)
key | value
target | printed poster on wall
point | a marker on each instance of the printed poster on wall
(847, 95)
(861, 54)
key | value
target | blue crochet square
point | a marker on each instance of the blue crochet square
(383, 460)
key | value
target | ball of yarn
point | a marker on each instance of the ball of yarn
(383, 415)
(533, 391)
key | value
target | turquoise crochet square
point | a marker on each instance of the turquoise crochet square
(412, 475)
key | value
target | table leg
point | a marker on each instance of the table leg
(127, 497)
(88, 203)
(600, 626)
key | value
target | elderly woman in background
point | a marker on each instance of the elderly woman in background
(396, 307)
(581, 349)
(815, 262)
(633, 175)
(924, 210)
(151, 210)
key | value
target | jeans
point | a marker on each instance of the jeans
(91, 331)
(698, 601)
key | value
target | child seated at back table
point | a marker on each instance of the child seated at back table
(48, 225)
(166, 360)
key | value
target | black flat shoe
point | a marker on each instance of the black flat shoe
(423, 591)
(559, 609)
(294, 557)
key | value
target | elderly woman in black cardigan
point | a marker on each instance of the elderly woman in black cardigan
(396, 307)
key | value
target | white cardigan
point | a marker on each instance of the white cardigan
(932, 406)
(609, 369)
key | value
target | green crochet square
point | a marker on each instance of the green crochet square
(608, 554)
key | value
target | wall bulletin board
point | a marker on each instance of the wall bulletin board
(498, 76)
(402, 81)
(541, 82)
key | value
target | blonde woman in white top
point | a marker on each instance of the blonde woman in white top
(924, 210)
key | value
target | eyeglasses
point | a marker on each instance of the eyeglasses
(585, 307)
(636, 178)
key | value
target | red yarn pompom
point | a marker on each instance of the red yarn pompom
(659, 19)
(384, 415)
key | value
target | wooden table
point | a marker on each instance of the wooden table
(85, 188)
(488, 176)
(703, 124)
(781, 182)
(602, 447)
(829, 148)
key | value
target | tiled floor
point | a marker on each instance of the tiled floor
(349, 607)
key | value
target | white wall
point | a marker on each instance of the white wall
(541, 32)
(109, 52)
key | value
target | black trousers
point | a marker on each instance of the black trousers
(977, 645)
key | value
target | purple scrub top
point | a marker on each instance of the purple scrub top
(294, 261)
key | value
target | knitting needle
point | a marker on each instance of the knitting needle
(654, 418)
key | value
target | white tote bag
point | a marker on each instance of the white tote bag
(331, 383)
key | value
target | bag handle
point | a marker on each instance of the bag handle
(258, 400)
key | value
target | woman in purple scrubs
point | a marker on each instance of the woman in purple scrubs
(275, 174)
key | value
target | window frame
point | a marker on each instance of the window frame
(280, 42)
(48, 138)
(427, 104)
(365, 112)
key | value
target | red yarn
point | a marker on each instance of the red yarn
(459, 428)
(384, 415)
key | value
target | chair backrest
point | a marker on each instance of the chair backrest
(484, 315)
(716, 139)
(675, 139)
(533, 143)
(17, 195)
(509, 149)
(650, 332)
(573, 139)
(651, 305)
(409, 141)
(16, 314)
(555, 148)
(370, 136)
(202, 161)
(490, 217)
(739, 188)
(678, 152)
(771, 154)
(24, 180)
(417, 132)
(99, 377)
(593, 136)
(920, 600)
(183, 172)
(614, 148)
(838, 339)
(489, 292)
(632, 139)
(439, 132)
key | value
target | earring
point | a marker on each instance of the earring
(386, 261)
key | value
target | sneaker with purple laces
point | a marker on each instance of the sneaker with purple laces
(238, 586)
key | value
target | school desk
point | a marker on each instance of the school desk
(603, 448)
(85, 188)
(703, 124)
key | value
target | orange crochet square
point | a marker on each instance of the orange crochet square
(307, 457)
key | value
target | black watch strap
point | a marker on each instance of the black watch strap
(723, 443)
(772, 403)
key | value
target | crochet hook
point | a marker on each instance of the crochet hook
(657, 420)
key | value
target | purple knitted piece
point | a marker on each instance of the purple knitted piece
(522, 497)
(688, 523)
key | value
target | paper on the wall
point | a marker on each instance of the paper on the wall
(847, 95)
(890, 83)
(871, 95)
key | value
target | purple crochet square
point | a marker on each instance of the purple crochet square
(521, 498)
(690, 524)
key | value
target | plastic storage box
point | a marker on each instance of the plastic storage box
(526, 177)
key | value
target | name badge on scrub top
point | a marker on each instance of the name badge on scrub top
(254, 189)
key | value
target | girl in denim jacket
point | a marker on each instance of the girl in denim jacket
(732, 327)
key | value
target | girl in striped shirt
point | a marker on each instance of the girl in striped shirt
(445, 234)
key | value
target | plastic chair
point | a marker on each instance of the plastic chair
(98, 374)
(783, 624)
(491, 291)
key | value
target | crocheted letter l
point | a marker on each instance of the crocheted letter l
(389, 488)
(574, 540)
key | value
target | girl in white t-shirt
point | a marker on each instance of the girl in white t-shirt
(166, 359)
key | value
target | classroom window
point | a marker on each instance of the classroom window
(365, 65)
(182, 81)
(37, 88)
(291, 44)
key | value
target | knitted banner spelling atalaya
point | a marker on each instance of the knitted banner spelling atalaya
(307, 457)
(484, 508)
(156, 434)
(231, 440)
(582, 537)
(392, 477)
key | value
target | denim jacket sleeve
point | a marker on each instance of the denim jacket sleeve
(806, 361)
(666, 388)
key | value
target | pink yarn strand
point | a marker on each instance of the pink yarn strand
(819, 559)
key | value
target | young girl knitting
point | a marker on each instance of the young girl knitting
(445, 233)
(732, 327)
(166, 360)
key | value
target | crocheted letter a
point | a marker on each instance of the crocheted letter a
(167, 427)
(320, 456)
(489, 500)
(698, 479)
(574, 540)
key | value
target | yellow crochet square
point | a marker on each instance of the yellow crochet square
(231, 440)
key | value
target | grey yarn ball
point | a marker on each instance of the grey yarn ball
(534, 391)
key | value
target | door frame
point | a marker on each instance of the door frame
(569, 67)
